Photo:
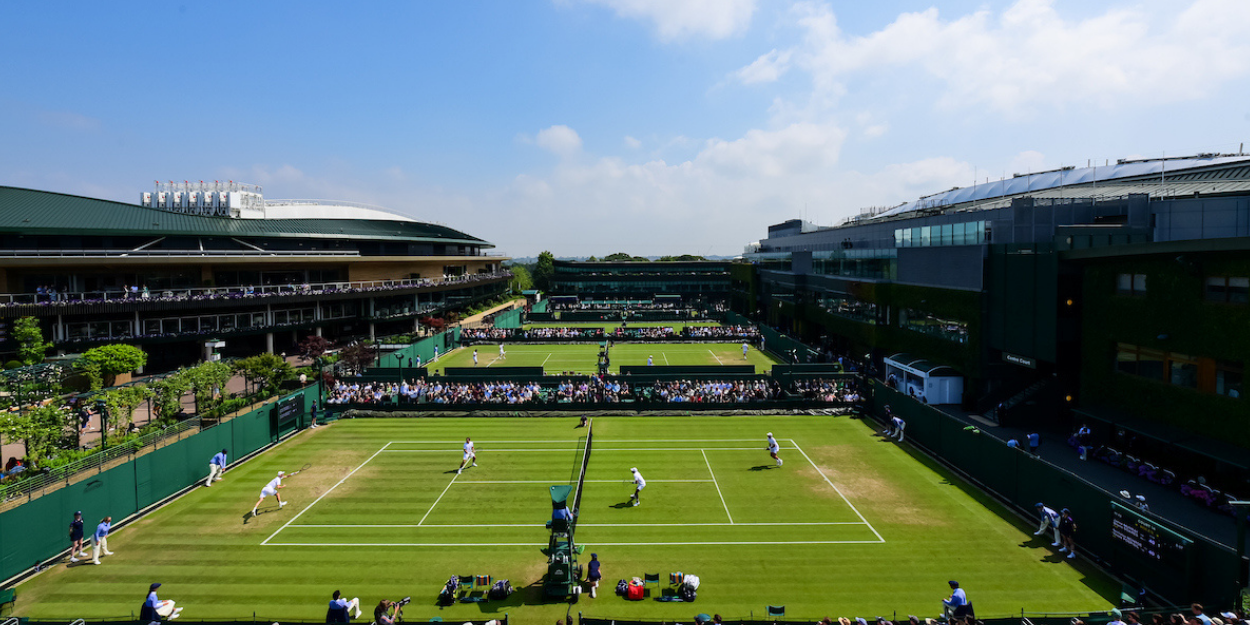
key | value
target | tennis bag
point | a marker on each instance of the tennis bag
(500, 590)
(688, 586)
(622, 587)
(447, 596)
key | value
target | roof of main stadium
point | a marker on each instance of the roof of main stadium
(29, 211)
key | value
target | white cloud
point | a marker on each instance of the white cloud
(560, 140)
(767, 68)
(1029, 55)
(632, 143)
(680, 19)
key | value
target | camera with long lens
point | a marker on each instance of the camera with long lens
(403, 602)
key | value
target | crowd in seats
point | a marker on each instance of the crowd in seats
(593, 306)
(721, 332)
(52, 296)
(624, 333)
(583, 389)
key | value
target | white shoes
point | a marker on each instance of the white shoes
(1063, 550)
(636, 502)
(254, 513)
(73, 559)
(108, 553)
(475, 464)
(281, 504)
(1071, 555)
(1054, 544)
(1037, 533)
(458, 471)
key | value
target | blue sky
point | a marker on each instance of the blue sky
(594, 126)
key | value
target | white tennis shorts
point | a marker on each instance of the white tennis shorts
(268, 492)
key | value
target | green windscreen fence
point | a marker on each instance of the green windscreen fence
(36, 530)
(444, 341)
(509, 319)
(540, 307)
(1203, 571)
(789, 350)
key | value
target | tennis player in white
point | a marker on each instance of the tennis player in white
(639, 484)
(502, 355)
(469, 454)
(475, 358)
(744, 350)
(774, 449)
(271, 490)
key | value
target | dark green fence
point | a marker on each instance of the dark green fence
(445, 341)
(509, 319)
(1206, 572)
(36, 531)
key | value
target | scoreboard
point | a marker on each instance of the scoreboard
(287, 411)
(1147, 538)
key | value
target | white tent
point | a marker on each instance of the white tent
(919, 378)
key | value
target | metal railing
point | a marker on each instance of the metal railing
(237, 292)
(104, 253)
(52, 479)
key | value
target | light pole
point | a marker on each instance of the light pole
(399, 355)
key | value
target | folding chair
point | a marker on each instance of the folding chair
(777, 611)
(650, 578)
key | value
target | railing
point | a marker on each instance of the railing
(160, 253)
(55, 478)
(236, 292)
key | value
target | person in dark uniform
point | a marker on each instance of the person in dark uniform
(1067, 533)
(75, 536)
(592, 574)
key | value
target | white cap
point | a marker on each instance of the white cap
(770, 435)
(281, 473)
(633, 470)
(1141, 498)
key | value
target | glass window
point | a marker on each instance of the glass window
(898, 238)
(957, 237)
(1126, 359)
(1184, 372)
(926, 236)
(1217, 289)
(1124, 283)
(1139, 284)
(1150, 364)
(1228, 380)
(1239, 290)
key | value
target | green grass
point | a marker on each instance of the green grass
(612, 326)
(584, 358)
(701, 471)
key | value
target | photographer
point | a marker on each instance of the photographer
(380, 613)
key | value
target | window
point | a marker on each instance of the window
(933, 325)
(1232, 290)
(1131, 284)
(1228, 379)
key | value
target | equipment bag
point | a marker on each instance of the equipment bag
(691, 582)
(500, 590)
(635, 593)
(622, 587)
(687, 593)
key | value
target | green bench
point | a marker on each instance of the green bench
(8, 597)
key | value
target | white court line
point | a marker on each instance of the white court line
(715, 356)
(615, 440)
(587, 481)
(309, 507)
(597, 544)
(839, 492)
(665, 357)
(542, 525)
(440, 497)
(568, 449)
(547, 358)
(722, 497)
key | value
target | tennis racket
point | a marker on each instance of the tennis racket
(300, 470)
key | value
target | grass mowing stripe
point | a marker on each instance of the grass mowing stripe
(440, 497)
(309, 507)
(543, 525)
(835, 488)
(714, 482)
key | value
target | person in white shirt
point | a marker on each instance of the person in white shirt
(639, 484)
(1049, 519)
(502, 354)
(774, 449)
(475, 358)
(744, 351)
(469, 454)
(271, 490)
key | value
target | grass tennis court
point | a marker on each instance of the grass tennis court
(610, 326)
(584, 358)
(851, 525)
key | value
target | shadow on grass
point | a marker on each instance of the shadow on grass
(763, 467)
(623, 504)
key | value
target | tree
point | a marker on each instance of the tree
(103, 364)
(264, 371)
(544, 270)
(313, 347)
(357, 356)
(521, 279)
(167, 393)
(121, 404)
(206, 381)
(622, 257)
(39, 428)
(31, 347)
(682, 258)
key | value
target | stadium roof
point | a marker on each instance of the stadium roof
(1211, 169)
(28, 211)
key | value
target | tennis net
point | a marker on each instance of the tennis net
(581, 477)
